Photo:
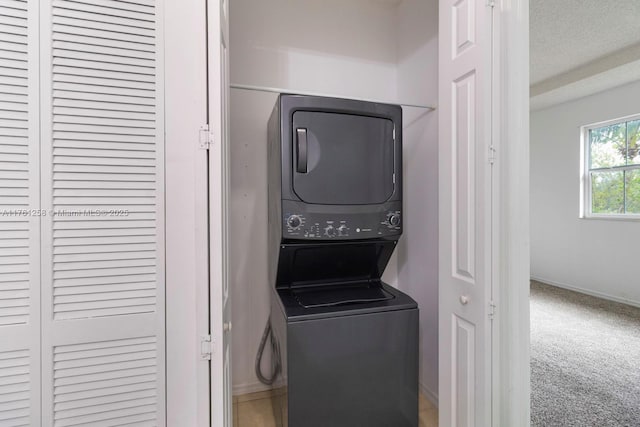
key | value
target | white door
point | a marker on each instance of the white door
(102, 165)
(82, 270)
(218, 35)
(465, 212)
(19, 216)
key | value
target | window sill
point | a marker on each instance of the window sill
(631, 218)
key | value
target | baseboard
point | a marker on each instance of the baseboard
(246, 388)
(429, 394)
(586, 291)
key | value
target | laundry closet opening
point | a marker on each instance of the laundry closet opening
(378, 50)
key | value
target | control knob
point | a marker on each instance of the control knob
(342, 230)
(294, 221)
(393, 219)
(329, 231)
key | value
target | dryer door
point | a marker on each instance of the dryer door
(342, 159)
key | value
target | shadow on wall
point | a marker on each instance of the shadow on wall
(317, 26)
(417, 68)
(248, 245)
(319, 46)
(418, 30)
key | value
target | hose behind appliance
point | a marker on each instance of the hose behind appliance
(275, 356)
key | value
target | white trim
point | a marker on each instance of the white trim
(220, 326)
(511, 330)
(596, 294)
(585, 185)
(613, 121)
(187, 277)
(161, 213)
(600, 217)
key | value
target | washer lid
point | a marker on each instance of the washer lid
(294, 312)
(333, 296)
(312, 264)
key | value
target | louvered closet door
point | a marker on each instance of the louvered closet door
(102, 165)
(19, 220)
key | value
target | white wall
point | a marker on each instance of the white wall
(330, 46)
(346, 48)
(417, 57)
(248, 220)
(592, 255)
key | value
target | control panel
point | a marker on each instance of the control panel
(321, 226)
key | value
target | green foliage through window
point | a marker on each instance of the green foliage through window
(614, 168)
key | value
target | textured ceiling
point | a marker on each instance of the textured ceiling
(581, 47)
(566, 34)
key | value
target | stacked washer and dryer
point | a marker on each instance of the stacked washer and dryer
(345, 344)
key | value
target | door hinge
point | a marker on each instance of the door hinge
(205, 137)
(206, 347)
(492, 155)
(492, 310)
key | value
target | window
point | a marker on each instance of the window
(611, 182)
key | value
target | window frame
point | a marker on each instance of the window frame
(586, 172)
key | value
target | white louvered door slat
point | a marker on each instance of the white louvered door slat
(19, 220)
(102, 162)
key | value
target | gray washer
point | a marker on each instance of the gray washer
(354, 365)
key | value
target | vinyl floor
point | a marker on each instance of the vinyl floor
(255, 410)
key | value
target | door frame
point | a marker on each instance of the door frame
(217, 12)
(510, 219)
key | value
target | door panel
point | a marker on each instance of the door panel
(465, 212)
(102, 178)
(19, 215)
(463, 165)
(127, 369)
(463, 371)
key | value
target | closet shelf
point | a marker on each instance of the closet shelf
(304, 92)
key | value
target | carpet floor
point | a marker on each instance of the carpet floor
(585, 360)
